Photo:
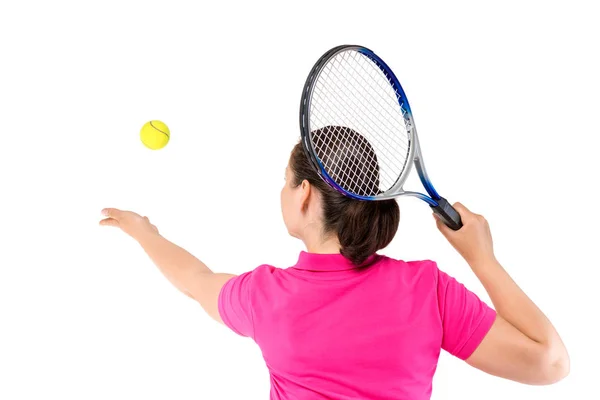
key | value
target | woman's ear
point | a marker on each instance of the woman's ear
(306, 189)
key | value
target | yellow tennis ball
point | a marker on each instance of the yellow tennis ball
(155, 135)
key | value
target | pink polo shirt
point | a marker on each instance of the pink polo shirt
(328, 330)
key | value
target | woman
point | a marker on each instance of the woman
(348, 323)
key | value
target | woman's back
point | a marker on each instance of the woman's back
(330, 330)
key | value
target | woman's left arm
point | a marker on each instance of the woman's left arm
(186, 272)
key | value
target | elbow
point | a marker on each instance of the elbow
(554, 365)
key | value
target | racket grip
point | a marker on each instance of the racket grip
(447, 214)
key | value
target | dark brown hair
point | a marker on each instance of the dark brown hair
(362, 226)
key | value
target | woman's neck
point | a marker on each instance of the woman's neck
(316, 242)
(318, 246)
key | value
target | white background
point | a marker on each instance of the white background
(505, 98)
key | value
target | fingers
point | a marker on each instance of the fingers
(109, 222)
(442, 227)
(465, 213)
(128, 221)
(113, 217)
(112, 213)
(461, 208)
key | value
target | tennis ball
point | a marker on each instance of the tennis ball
(155, 135)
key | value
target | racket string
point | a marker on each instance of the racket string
(369, 101)
(353, 170)
(340, 168)
(320, 144)
(375, 76)
(351, 92)
(361, 184)
(362, 126)
(362, 104)
(370, 122)
(333, 167)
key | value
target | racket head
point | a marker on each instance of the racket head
(356, 124)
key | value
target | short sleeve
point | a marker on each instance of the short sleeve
(235, 306)
(465, 318)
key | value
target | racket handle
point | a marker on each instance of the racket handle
(447, 214)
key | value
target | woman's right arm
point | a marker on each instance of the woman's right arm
(522, 345)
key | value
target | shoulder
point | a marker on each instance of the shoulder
(256, 278)
(409, 267)
(263, 272)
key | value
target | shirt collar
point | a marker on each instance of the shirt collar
(327, 262)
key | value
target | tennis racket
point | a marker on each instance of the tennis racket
(358, 131)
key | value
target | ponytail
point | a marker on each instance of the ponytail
(365, 227)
